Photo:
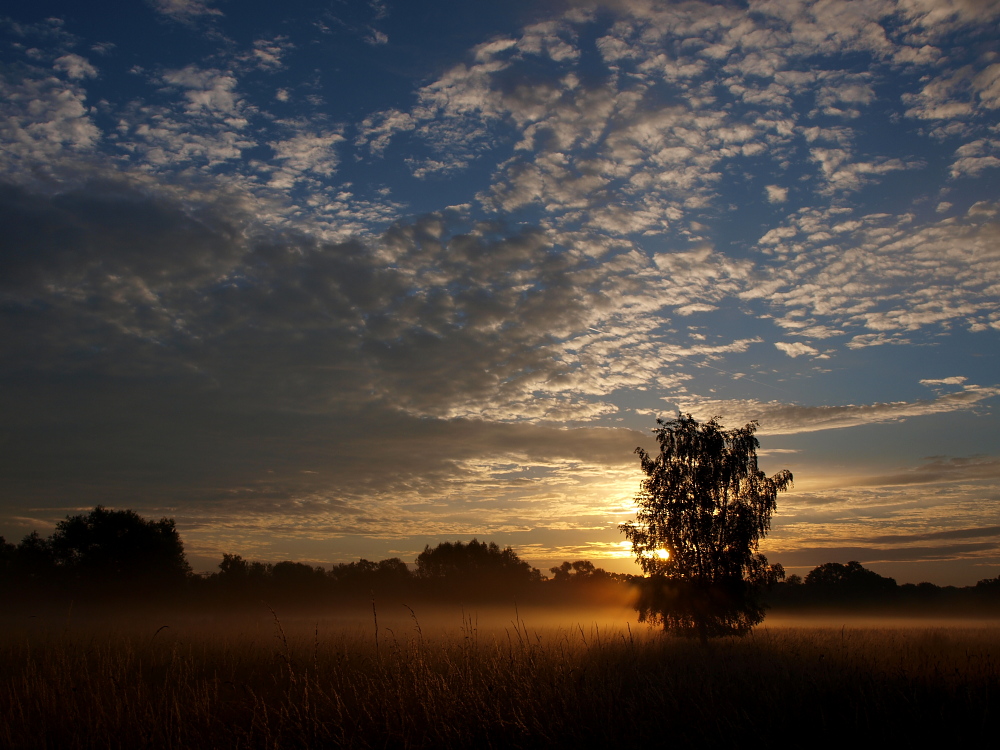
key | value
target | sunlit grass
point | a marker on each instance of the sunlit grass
(296, 683)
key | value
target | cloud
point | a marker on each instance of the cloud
(267, 54)
(695, 308)
(184, 10)
(777, 418)
(955, 380)
(377, 131)
(43, 118)
(637, 151)
(987, 84)
(841, 172)
(205, 89)
(939, 469)
(941, 17)
(75, 67)
(776, 194)
(304, 154)
(259, 358)
(886, 273)
(796, 349)
(424, 313)
(988, 531)
(974, 157)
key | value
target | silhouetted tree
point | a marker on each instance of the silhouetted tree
(836, 581)
(390, 576)
(392, 572)
(7, 552)
(477, 566)
(237, 574)
(575, 570)
(298, 580)
(989, 584)
(119, 547)
(238, 581)
(703, 508)
(34, 562)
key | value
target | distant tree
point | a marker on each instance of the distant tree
(34, 562)
(481, 565)
(307, 584)
(392, 572)
(7, 553)
(989, 584)
(833, 581)
(236, 574)
(578, 570)
(119, 547)
(584, 571)
(289, 571)
(789, 592)
(233, 569)
(926, 589)
(367, 577)
(298, 578)
(703, 508)
(355, 575)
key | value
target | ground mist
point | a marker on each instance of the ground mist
(500, 677)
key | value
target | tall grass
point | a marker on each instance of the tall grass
(300, 684)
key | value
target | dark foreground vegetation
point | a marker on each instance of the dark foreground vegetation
(309, 684)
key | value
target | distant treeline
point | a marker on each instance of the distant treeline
(116, 554)
(839, 585)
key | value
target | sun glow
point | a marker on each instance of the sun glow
(626, 551)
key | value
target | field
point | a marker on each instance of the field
(398, 679)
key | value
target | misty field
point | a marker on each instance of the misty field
(459, 679)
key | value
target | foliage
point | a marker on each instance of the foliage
(703, 507)
(121, 546)
(575, 571)
(391, 574)
(457, 571)
(476, 560)
(8, 553)
(297, 576)
(852, 580)
(32, 561)
(987, 584)
(239, 573)
(104, 552)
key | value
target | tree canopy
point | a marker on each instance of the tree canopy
(703, 507)
(850, 580)
(119, 545)
(476, 561)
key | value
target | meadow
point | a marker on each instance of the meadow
(499, 678)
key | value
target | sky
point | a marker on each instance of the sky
(341, 279)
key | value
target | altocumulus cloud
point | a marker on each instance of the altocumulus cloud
(779, 418)
(177, 348)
